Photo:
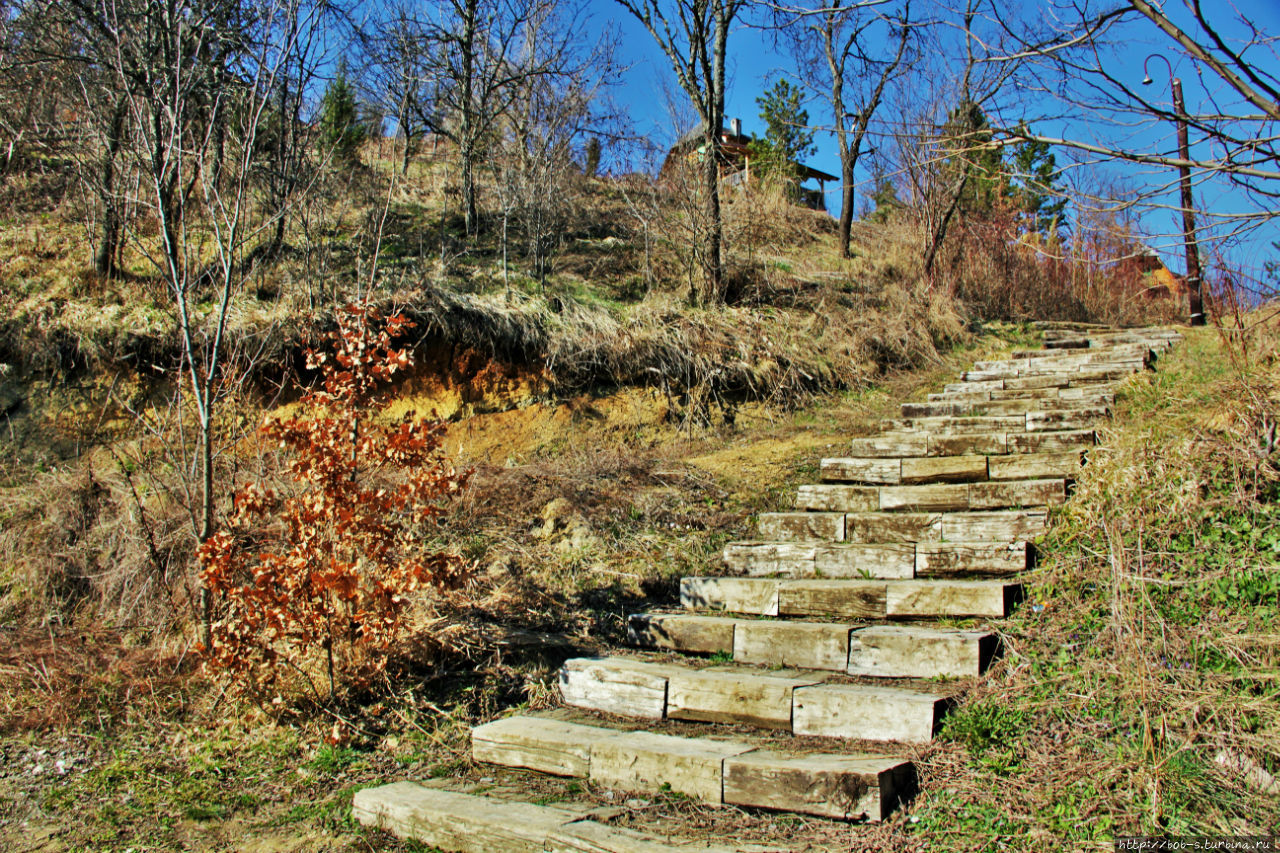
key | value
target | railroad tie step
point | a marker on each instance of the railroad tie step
(940, 497)
(888, 527)
(879, 560)
(713, 771)
(998, 408)
(1098, 395)
(903, 444)
(1012, 377)
(919, 470)
(881, 651)
(802, 703)
(1036, 420)
(853, 599)
(471, 823)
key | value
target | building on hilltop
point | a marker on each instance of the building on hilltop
(736, 162)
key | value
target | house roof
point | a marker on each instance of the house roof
(691, 138)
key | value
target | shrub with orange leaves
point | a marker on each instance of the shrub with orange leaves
(319, 580)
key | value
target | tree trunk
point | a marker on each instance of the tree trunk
(846, 204)
(711, 261)
(109, 246)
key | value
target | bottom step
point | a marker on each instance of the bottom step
(467, 823)
(711, 770)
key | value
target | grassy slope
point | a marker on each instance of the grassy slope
(1140, 688)
(159, 760)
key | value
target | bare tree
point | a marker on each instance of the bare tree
(851, 51)
(694, 35)
(1222, 134)
(195, 83)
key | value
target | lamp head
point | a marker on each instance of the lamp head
(1146, 81)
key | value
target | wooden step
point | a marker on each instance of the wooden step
(1001, 526)
(939, 497)
(1041, 420)
(778, 700)
(712, 771)
(1099, 352)
(916, 444)
(1066, 361)
(1049, 396)
(882, 560)
(860, 599)
(471, 823)
(880, 651)
(1097, 370)
(944, 469)
(994, 408)
(877, 527)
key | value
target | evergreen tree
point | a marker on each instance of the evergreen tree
(592, 166)
(885, 202)
(968, 137)
(1033, 191)
(787, 139)
(341, 131)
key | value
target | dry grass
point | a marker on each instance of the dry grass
(1139, 695)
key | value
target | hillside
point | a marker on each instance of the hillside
(618, 437)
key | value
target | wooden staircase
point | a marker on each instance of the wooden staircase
(844, 618)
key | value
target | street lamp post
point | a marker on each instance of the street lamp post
(1184, 174)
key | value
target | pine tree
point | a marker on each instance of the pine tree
(787, 139)
(1033, 191)
(341, 131)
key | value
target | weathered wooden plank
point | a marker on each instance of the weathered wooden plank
(1007, 526)
(862, 469)
(944, 469)
(950, 559)
(952, 598)
(873, 527)
(1105, 391)
(898, 651)
(757, 596)
(929, 410)
(845, 787)
(833, 498)
(1017, 493)
(743, 698)
(1027, 394)
(962, 445)
(1033, 466)
(810, 645)
(965, 395)
(841, 599)
(889, 444)
(616, 686)
(537, 743)
(794, 559)
(859, 560)
(801, 526)
(961, 425)
(939, 498)
(1052, 442)
(1054, 380)
(867, 713)
(457, 822)
(1063, 419)
(644, 761)
(588, 836)
(681, 632)
(975, 385)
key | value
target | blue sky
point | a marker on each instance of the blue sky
(754, 64)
